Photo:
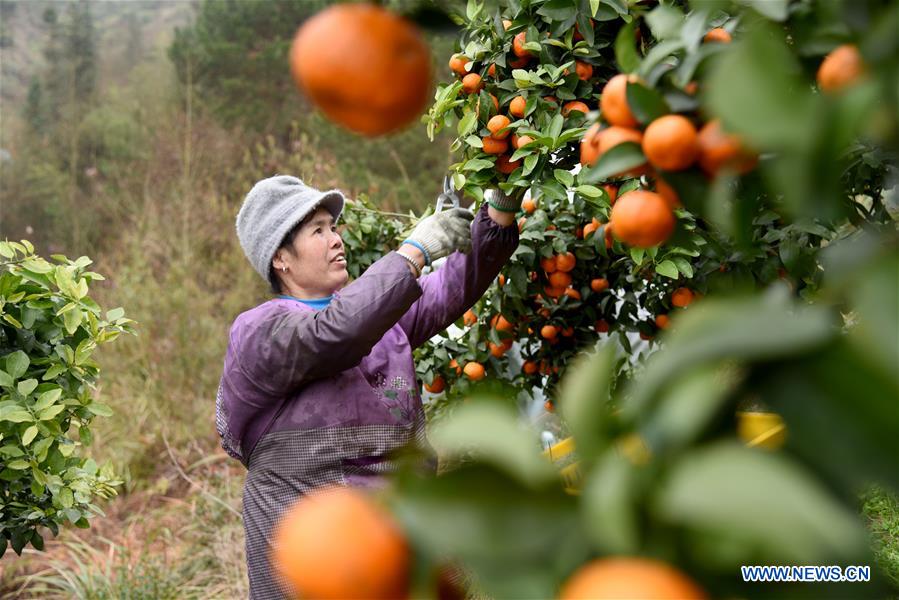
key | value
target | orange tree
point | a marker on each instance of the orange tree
(768, 129)
(657, 135)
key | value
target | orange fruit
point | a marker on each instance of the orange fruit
(472, 83)
(645, 336)
(491, 70)
(559, 279)
(668, 193)
(682, 297)
(718, 34)
(494, 146)
(662, 321)
(600, 284)
(641, 218)
(497, 126)
(624, 578)
(529, 206)
(840, 69)
(501, 279)
(553, 291)
(516, 107)
(522, 141)
(497, 350)
(519, 63)
(598, 141)
(572, 293)
(549, 332)
(584, 70)
(565, 262)
(457, 64)
(353, 93)
(548, 264)
(455, 365)
(589, 228)
(568, 331)
(574, 105)
(612, 191)
(691, 88)
(500, 323)
(601, 326)
(469, 318)
(613, 105)
(505, 166)
(436, 386)
(719, 150)
(548, 406)
(518, 46)
(529, 367)
(474, 371)
(671, 143)
(338, 543)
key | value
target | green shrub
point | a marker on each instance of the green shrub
(49, 328)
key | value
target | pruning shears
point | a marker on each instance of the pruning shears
(450, 197)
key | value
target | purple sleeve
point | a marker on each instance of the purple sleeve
(461, 281)
(284, 348)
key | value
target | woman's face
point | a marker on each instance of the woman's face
(316, 264)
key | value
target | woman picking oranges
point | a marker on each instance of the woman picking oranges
(319, 384)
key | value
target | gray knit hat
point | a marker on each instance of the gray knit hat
(271, 209)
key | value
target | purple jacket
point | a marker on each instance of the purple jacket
(289, 367)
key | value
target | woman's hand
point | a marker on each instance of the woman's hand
(443, 233)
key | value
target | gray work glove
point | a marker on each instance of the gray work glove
(443, 233)
(502, 201)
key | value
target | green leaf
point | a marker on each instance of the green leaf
(17, 363)
(589, 191)
(474, 141)
(72, 320)
(476, 164)
(626, 50)
(99, 409)
(665, 21)
(646, 104)
(564, 177)
(18, 465)
(29, 435)
(776, 10)
(17, 416)
(65, 497)
(466, 125)
(50, 412)
(491, 432)
(756, 90)
(27, 386)
(609, 504)
(558, 10)
(637, 255)
(584, 400)
(763, 498)
(46, 399)
(683, 265)
(619, 159)
(668, 269)
(6, 380)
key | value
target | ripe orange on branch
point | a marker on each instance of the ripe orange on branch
(718, 34)
(623, 578)
(642, 219)
(671, 143)
(682, 297)
(436, 386)
(471, 83)
(338, 543)
(494, 146)
(613, 106)
(353, 93)
(840, 69)
(457, 64)
(498, 127)
(597, 142)
(518, 46)
(474, 371)
(574, 105)
(719, 150)
(517, 106)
